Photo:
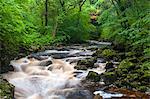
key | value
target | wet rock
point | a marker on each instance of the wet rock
(46, 63)
(109, 77)
(119, 57)
(4, 69)
(6, 89)
(79, 94)
(128, 94)
(81, 67)
(63, 49)
(98, 53)
(93, 76)
(130, 54)
(98, 97)
(129, 75)
(38, 57)
(120, 47)
(91, 85)
(101, 60)
(82, 53)
(94, 48)
(109, 66)
(59, 55)
(89, 63)
(72, 93)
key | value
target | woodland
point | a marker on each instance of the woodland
(28, 26)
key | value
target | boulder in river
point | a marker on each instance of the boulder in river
(109, 77)
(109, 66)
(73, 93)
(85, 64)
(79, 94)
(93, 76)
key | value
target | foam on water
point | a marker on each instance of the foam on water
(32, 81)
(106, 95)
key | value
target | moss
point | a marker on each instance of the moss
(109, 66)
(142, 88)
(98, 53)
(109, 77)
(126, 64)
(100, 50)
(6, 90)
(146, 76)
(93, 76)
(108, 54)
(81, 67)
(130, 54)
(88, 63)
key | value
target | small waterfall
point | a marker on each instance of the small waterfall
(39, 76)
(33, 81)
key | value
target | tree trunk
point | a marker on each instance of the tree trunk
(46, 12)
(55, 28)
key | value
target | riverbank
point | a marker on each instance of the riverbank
(103, 66)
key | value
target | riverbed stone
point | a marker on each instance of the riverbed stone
(109, 77)
(109, 66)
(79, 94)
(85, 64)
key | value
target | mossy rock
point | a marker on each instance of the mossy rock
(119, 57)
(6, 89)
(130, 54)
(93, 76)
(129, 75)
(109, 66)
(80, 67)
(108, 54)
(119, 46)
(109, 77)
(146, 76)
(126, 64)
(99, 51)
(143, 88)
(87, 63)
(144, 58)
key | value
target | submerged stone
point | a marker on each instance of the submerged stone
(79, 94)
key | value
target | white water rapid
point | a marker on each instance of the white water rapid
(39, 76)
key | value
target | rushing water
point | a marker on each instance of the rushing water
(51, 74)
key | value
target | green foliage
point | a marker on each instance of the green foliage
(6, 89)
(76, 25)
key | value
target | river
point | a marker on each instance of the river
(50, 74)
